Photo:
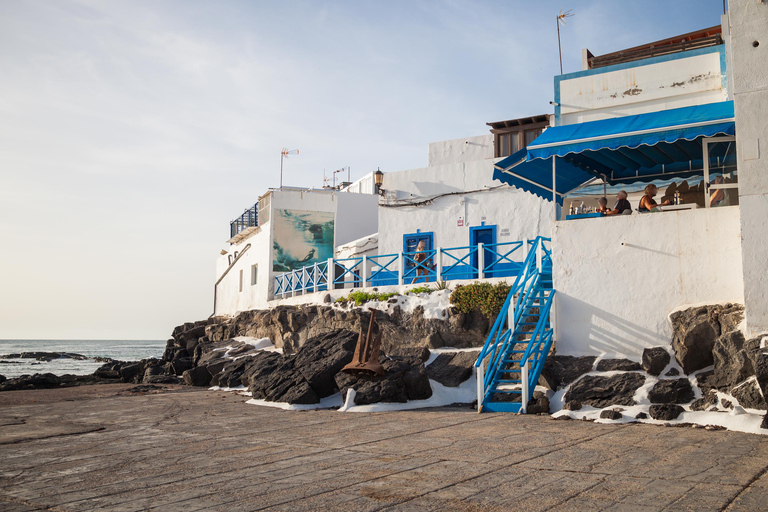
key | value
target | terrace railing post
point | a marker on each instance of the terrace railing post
(480, 261)
(329, 272)
(539, 251)
(525, 249)
(401, 269)
(524, 378)
(294, 283)
(364, 273)
(439, 264)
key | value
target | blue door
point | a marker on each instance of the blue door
(483, 235)
(410, 242)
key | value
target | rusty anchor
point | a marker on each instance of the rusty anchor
(366, 357)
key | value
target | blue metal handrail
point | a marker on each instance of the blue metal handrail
(499, 342)
(349, 270)
(249, 218)
(381, 269)
(446, 271)
(499, 257)
(410, 257)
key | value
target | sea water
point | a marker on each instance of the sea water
(123, 350)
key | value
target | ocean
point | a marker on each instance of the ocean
(124, 350)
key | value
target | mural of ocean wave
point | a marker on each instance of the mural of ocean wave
(301, 238)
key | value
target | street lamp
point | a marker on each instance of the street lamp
(378, 179)
(284, 154)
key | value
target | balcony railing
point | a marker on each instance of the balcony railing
(249, 219)
(447, 264)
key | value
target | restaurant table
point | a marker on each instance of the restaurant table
(674, 207)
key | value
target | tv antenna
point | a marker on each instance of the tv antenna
(561, 19)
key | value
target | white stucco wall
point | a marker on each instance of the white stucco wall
(229, 298)
(687, 78)
(467, 149)
(749, 24)
(522, 214)
(618, 278)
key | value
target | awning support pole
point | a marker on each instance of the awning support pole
(554, 184)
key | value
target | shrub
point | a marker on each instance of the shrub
(484, 296)
(421, 289)
(361, 297)
(440, 285)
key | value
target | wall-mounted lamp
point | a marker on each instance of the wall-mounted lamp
(554, 103)
(378, 179)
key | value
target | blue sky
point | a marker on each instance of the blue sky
(132, 132)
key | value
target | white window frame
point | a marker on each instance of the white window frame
(705, 155)
(254, 274)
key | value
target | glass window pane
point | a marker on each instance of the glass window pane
(530, 135)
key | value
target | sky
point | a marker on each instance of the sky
(133, 132)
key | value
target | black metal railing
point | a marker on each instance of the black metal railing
(249, 219)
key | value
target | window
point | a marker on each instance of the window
(514, 135)
(241, 280)
(530, 136)
(254, 274)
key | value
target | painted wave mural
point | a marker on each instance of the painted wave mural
(301, 238)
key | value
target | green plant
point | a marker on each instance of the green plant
(361, 297)
(421, 289)
(440, 285)
(486, 297)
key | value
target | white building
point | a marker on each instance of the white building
(288, 229)
(662, 111)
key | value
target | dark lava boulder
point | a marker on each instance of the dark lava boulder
(600, 392)
(655, 359)
(197, 376)
(322, 357)
(559, 371)
(538, 404)
(665, 412)
(749, 396)
(732, 364)
(400, 383)
(705, 402)
(695, 331)
(610, 414)
(671, 391)
(451, 369)
(285, 384)
(622, 365)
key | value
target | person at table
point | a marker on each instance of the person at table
(602, 205)
(717, 198)
(622, 204)
(648, 203)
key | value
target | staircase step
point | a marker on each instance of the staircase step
(508, 381)
(501, 406)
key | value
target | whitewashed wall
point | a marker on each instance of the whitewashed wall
(749, 24)
(618, 278)
(524, 215)
(689, 78)
(468, 149)
(229, 298)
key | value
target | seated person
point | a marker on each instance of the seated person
(647, 203)
(717, 198)
(602, 205)
(622, 204)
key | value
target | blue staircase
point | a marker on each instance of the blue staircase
(512, 358)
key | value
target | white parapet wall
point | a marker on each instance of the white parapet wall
(619, 278)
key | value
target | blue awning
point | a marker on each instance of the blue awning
(640, 147)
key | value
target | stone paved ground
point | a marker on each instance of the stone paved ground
(192, 450)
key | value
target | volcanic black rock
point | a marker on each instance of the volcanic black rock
(655, 359)
(452, 369)
(665, 412)
(600, 392)
(671, 391)
(559, 371)
(624, 365)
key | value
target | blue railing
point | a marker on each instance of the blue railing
(531, 291)
(249, 218)
(447, 264)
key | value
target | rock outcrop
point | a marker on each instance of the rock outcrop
(696, 330)
(598, 391)
(559, 371)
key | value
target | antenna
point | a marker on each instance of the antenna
(284, 154)
(561, 19)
